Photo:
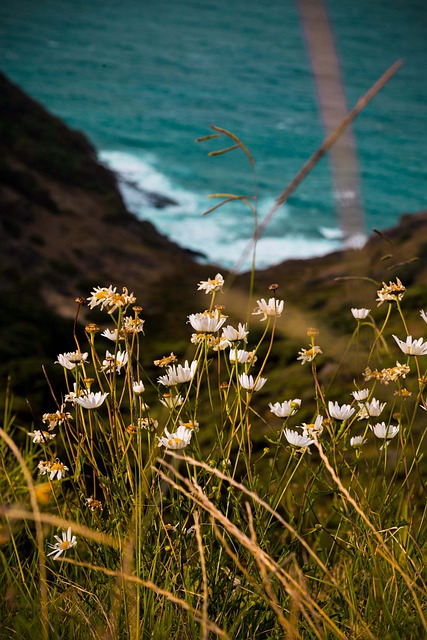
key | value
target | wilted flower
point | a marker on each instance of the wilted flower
(296, 439)
(147, 423)
(248, 382)
(207, 322)
(387, 375)
(233, 334)
(165, 361)
(210, 285)
(271, 308)
(41, 437)
(63, 545)
(178, 373)
(54, 419)
(286, 408)
(343, 412)
(203, 338)
(307, 355)
(94, 504)
(71, 359)
(357, 441)
(412, 347)
(360, 314)
(178, 440)
(132, 325)
(90, 400)
(115, 362)
(391, 292)
(383, 431)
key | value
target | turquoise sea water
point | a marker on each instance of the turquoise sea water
(143, 79)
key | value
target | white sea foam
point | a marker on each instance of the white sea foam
(224, 238)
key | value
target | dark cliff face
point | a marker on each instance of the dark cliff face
(63, 221)
(64, 229)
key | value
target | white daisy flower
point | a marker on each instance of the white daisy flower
(343, 412)
(357, 441)
(296, 439)
(207, 322)
(115, 362)
(315, 428)
(361, 395)
(384, 431)
(138, 387)
(177, 374)
(271, 308)
(308, 355)
(232, 334)
(101, 296)
(412, 347)
(370, 409)
(221, 343)
(214, 284)
(423, 314)
(241, 356)
(286, 408)
(111, 335)
(73, 395)
(248, 382)
(178, 440)
(360, 314)
(71, 359)
(56, 468)
(171, 401)
(90, 400)
(108, 297)
(68, 541)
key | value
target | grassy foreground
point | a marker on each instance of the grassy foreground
(137, 506)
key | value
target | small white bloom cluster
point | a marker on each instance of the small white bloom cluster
(55, 469)
(109, 297)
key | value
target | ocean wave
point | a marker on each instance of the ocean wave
(223, 237)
